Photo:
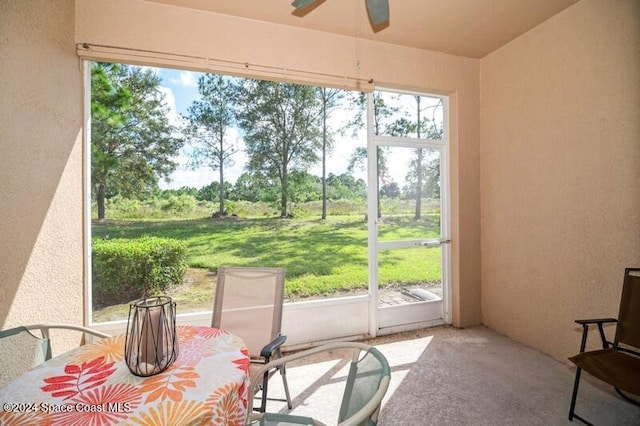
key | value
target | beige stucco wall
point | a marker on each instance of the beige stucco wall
(223, 38)
(560, 148)
(41, 225)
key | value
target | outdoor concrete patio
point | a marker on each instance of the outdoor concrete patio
(448, 376)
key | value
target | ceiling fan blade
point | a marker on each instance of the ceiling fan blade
(301, 4)
(378, 11)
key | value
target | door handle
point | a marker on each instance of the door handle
(432, 243)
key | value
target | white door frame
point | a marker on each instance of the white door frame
(443, 309)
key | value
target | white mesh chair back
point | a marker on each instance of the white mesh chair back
(248, 303)
(365, 386)
(20, 351)
(368, 373)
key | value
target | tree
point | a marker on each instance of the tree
(254, 187)
(345, 187)
(387, 121)
(132, 142)
(188, 190)
(430, 130)
(383, 113)
(431, 177)
(206, 124)
(329, 101)
(390, 190)
(279, 122)
(304, 187)
(418, 165)
(212, 191)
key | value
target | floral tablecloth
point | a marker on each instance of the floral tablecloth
(92, 385)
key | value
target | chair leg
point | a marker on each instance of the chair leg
(283, 373)
(263, 397)
(572, 414)
(576, 383)
(265, 384)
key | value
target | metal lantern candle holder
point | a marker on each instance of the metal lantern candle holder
(151, 343)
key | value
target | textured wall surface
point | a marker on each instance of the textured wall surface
(560, 148)
(41, 226)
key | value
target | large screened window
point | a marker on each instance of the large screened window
(190, 171)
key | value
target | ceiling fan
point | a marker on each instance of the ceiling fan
(378, 11)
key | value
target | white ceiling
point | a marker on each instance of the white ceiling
(471, 28)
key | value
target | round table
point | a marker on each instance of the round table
(207, 384)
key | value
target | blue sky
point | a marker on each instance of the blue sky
(181, 89)
(182, 84)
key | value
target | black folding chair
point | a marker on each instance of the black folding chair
(618, 362)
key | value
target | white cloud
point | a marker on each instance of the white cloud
(170, 102)
(185, 79)
(184, 175)
(191, 178)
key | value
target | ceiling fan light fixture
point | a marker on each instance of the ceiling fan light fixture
(301, 4)
(378, 11)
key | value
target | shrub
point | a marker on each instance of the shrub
(125, 269)
(179, 204)
(119, 206)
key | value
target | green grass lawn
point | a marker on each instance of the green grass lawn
(321, 257)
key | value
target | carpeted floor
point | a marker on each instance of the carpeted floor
(448, 376)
